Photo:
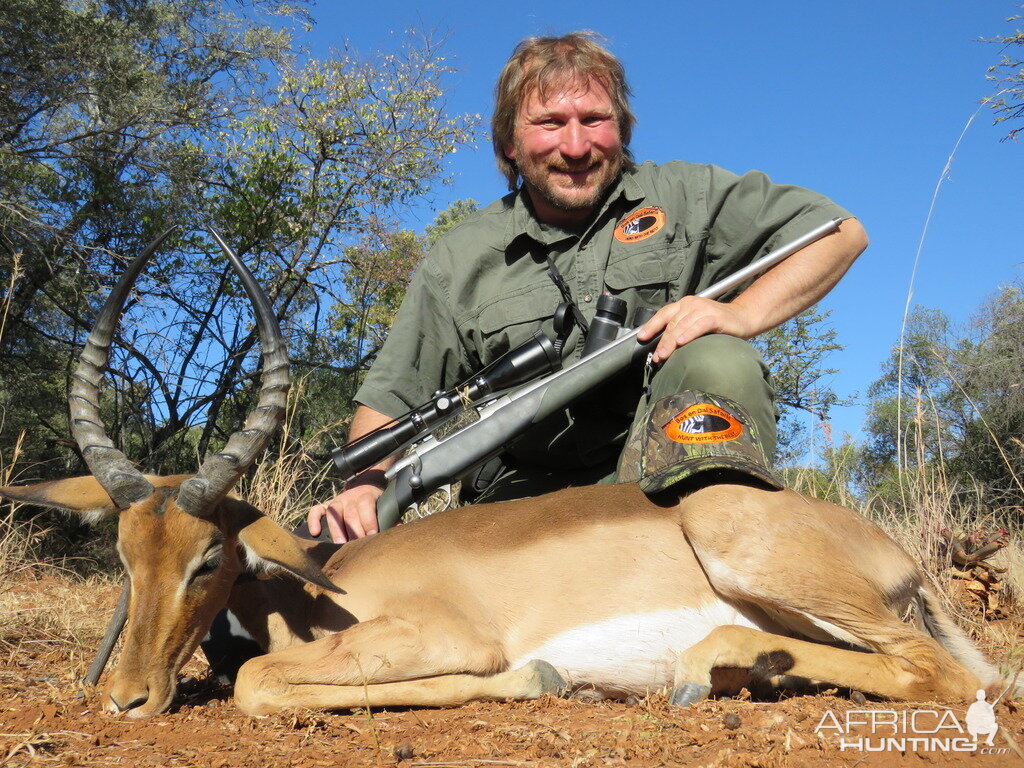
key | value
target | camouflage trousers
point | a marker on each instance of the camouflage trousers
(716, 364)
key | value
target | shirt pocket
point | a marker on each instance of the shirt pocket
(507, 321)
(652, 278)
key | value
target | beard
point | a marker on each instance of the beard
(548, 179)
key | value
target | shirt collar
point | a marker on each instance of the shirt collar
(523, 228)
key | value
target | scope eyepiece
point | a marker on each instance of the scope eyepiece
(605, 327)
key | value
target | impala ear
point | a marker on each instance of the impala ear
(83, 495)
(268, 547)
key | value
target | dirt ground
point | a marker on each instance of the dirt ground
(46, 719)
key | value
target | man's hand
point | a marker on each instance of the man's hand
(352, 514)
(689, 318)
(783, 292)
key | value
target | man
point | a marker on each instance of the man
(653, 235)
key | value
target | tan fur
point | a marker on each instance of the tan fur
(436, 611)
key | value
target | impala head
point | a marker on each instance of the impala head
(183, 539)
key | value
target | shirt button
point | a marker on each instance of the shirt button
(587, 298)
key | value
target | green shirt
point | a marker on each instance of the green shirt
(662, 233)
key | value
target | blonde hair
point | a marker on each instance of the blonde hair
(539, 63)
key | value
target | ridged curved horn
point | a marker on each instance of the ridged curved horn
(118, 476)
(221, 471)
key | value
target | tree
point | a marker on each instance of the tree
(912, 404)
(1008, 77)
(949, 401)
(381, 265)
(304, 185)
(122, 117)
(990, 451)
(102, 105)
(795, 353)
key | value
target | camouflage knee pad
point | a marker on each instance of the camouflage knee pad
(689, 433)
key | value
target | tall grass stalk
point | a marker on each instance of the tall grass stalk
(5, 303)
(946, 168)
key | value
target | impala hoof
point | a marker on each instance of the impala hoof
(689, 693)
(544, 678)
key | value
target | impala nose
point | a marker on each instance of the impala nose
(137, 700)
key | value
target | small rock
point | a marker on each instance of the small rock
(858, 698)
(632, 700)
(587, 695)
(404, 751)
(732, 721)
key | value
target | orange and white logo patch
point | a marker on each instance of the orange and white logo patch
(703, 423)
(640, 225)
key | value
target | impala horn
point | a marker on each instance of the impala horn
(122, 481)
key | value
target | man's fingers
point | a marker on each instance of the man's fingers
(678, 331)
(691, 318)
(313, 517)
(336, 527)
(352, 514)
(353, 524)
(361, 514)
(368, 516)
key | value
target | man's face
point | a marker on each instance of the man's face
(567, 149)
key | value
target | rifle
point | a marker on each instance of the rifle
(505, 413)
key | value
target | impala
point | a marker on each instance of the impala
(597, 587)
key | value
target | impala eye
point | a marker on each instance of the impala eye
(209, 565)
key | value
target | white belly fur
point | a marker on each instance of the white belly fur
(634, 653)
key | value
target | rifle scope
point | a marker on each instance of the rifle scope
(535, 357)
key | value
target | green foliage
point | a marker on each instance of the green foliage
(988, 380)
(449, 217)
(120, 118)
(834, 479)
(795, 353)
(1008, 78)
(912, 403)
(950, 402)
(102, 106)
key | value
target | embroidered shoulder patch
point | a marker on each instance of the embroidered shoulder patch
(640, 225)
(703, 423)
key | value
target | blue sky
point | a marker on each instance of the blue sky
(861, 101)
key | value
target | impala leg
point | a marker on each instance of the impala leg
(766, 655)
(530, 681)
(822, 567)
(389, 661)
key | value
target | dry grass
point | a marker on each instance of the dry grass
(45, 608)
(939, 507)
(47, 611)
(285, 484)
